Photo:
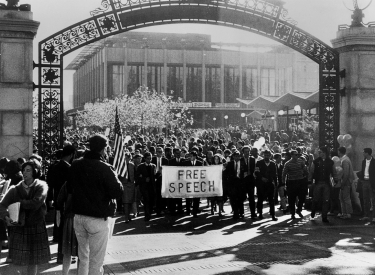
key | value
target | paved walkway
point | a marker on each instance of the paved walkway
(212, 245)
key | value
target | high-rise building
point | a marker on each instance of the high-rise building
(207, 76)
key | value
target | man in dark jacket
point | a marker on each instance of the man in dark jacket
(266, 177)
(145, 178)
(320, 175)
(195, 201)
(248, 162)
(367, 181)
(95, 187)
(159, 160)
(56, 177)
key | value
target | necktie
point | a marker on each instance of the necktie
(158, 164)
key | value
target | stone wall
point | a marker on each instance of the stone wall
(17, 31)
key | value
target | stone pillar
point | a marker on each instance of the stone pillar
(17, 32)
(356, 46)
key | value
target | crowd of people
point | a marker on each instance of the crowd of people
(84, 188)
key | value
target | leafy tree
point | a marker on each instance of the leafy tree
(145, 109)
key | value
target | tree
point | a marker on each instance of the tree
(144, 109)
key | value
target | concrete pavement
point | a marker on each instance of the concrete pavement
(212, 245)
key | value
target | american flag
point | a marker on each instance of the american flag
(119, 159)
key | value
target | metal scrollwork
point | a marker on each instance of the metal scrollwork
(51, 76)
(103, 9)
(284, 17)
(108, 24)
(264, 17)
(282, 31)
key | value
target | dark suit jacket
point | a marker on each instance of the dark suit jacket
(164, 161)
(268, 172)
(173, 162)
(56, 177)
(188, 163)
(250, 176)
(142, 173)
(371, 171)
(279, 172)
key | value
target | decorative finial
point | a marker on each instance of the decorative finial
(12, 4)
(357, 15)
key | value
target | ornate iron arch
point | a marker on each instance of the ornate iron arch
(264, 17)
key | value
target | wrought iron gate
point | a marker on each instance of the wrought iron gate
(264, 17)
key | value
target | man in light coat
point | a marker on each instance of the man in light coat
(346, 183)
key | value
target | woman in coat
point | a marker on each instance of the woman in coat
(29, 245)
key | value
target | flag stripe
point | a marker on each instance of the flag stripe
(119, 159)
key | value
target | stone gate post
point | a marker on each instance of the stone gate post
(356, 46)
(17, 31)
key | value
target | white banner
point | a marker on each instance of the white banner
(202, 104)
(192, 181)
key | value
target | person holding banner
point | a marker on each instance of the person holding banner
(159, 161)
(266, 177)
(176, 161)
(234, 173)
(249, 181)
(195, 201)
(145, 177)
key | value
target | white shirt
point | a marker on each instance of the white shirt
(237, 165)
(367, 175)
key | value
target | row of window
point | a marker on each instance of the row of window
(231, 77)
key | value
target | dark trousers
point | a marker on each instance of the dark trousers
(335, 200)
(266, 191)
(195, 203)
(160, 203)
(148, 195)
(174, 204)
(250, 192)
(321, 193)
(296, 189)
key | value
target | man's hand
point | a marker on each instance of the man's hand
(9, 221)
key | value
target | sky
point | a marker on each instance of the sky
(320, 18)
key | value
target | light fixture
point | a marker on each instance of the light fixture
(243, 115)
(226, 117)
(281, 112)
(297, 108)
(214, 118)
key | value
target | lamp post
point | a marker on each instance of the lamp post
(281, 113)
(226, 123)
(297, 109)
(214, 119)
(244, 115)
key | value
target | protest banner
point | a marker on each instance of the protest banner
(192, 181)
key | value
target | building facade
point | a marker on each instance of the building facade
(207, 76)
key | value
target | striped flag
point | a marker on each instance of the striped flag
(119, 159)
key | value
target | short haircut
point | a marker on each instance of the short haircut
(368, 151)
(324, 150)
(98, 143)
(245, 147)
(147, 154)
(35, 165)
(276, 156)
(68, 150)
(267, 152)
(342, 150)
